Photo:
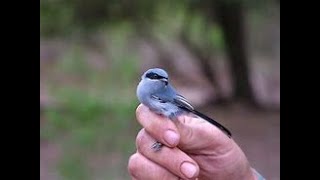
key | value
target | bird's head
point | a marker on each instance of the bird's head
(156, 75)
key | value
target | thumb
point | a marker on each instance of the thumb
(197, 135)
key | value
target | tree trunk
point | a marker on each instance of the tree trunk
(231, 18)
(202, 53)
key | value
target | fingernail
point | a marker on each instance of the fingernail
(188, 169)
(171, 137)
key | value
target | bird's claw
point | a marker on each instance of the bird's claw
(156, 146)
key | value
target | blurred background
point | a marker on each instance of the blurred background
(224, 56)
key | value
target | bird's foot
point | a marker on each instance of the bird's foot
(156, 146)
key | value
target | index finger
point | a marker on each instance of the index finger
(159, 127)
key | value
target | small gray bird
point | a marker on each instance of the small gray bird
(155, 92)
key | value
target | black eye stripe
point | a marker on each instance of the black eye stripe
(153, 75)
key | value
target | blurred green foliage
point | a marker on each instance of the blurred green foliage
(56, 17)
(73, 168)
(72, 18)
(67, 17)
(94, 109)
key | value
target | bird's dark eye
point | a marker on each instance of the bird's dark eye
(152, 75)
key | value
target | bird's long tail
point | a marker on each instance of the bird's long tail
(212, 121)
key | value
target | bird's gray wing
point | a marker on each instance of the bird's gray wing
(159, 98)
(182, 102)
(176, 99)
(169, 94)
(164, 95)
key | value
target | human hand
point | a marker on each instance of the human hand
(193, 149)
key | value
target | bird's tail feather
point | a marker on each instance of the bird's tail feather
(212, 121)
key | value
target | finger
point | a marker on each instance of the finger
(159, 127)
(173, 159)
(142, 168)
(200, 136)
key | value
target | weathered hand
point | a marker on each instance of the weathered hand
(193, 149)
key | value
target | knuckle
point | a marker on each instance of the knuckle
(139, 139)
(188, 134)
(139, 110)
(133, 164)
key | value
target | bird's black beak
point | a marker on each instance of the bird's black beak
(164, 80)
